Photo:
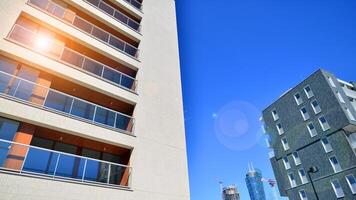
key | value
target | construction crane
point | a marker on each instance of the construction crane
(272, 183)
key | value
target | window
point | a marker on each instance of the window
(285, 144)
(303, 176)
(352, 183)
(286, 162)
(335, 164)
(296, 158)
(298, 99)
(341, 99)
(308, 91)
(316, 107)
(280, 128)
(323, 123)
(331, 81)
(349, 114)
(305, 113)
(337, 189)
(311, 129)
(292, 180)
(303, 195)
(326, 144)
(275, 115)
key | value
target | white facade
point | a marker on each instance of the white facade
(158, 158)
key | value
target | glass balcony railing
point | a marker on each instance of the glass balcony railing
(54, 100)
(70, 17)
(27, 159)
(114, 13)
(57, 51)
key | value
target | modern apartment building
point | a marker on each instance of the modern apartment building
(230, 193)
(254, 183)
(312, 132)
(90, 101)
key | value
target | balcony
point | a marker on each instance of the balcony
(62, 103)
(51, 48)
(31, 160)
(115, 14)
(135, 4)
(71, 18)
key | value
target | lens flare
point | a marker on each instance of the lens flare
(42, 42)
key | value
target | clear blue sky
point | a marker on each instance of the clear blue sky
(238, 56)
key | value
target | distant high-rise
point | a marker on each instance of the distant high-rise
(254, 183)
(230, 193)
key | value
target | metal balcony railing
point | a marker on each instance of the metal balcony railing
(114, 13)
(51, 99)
(32, 160)
(70, 17)
(51, 48)
(135, 4)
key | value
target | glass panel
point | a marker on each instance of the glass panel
(133, 25)
(122, 122)
(106, 8)
(112, 75)
(104, 116)
(58, 101)
(91, 153)
(4, 151)
(82, 24)
(93, 67)
(100, 34)
(120, 17)
(41, 142)
(5, 87)
(40, 161)
(22, 35)
(66, 166)
(40, 3)
(117, 43)
(8, 129)
(83, 109)
(7, 66)
(96, 171)
(94, 2)
(56, 10)
(24, 90)
(72, 57)
(131, 50)
(116, 174)
(127, 82)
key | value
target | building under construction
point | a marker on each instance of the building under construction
(230, 193)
